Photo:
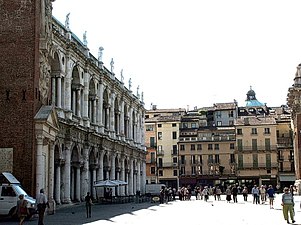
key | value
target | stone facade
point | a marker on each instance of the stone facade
(68, 119)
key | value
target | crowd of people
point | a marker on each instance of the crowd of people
(260, 195)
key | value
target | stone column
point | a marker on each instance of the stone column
(122, 132)
(53, 96)
(122, 177)
(94, 105)
(112, 173)
(77, 193)
(85, 172)
(100, 107)
(86, 100)
(74, 102)
(131, 178)
(58, 183)
(40, 173)
(59, 92)
(67, 178)
(130, 134)
(78, 102)
(138, 186)
(112, 115)
(67, 92)
(93, 180)
(143, 177)
(51, 178)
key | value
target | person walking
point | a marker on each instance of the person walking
(271, 196)
(262, 192)
(88, 200)
(42, 204)
(21, 209)
(255, 193)
(288, 205)
(245, 193)
(228, 194)
(234, 193)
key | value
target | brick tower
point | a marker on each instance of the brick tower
(24, 82)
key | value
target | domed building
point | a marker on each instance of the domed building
(251, 100)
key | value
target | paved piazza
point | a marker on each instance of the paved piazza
(194, 212)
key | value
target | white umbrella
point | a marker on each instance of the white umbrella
(120, 182)
(105, 183)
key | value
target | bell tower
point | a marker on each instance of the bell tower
(25, 42)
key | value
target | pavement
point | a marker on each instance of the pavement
(176, 212)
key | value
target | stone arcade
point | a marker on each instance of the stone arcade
(77, 123)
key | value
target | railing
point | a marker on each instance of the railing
(257, 148)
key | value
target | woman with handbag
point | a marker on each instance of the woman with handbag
(21, 209)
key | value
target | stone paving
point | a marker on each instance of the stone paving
(194, 212)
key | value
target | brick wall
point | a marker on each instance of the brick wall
(19, 22)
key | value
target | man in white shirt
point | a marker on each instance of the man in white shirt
(41, 204)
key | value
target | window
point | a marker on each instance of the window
(175, 173)
(219, 123)
(159, 125)
(254, 130)
(216, 146)
(160, 135)
(232, 146)
(182, 147)
(182, 159)
(160, 173)
(210, 147)
(192, 147)
(218, 114)
(153, 170)
(268, 161)
(199, 147)
(174, 149)
(193, 159)
(182, 170)
(160, 162)
(8, 191)
(216, 159)
(239, 145)
(267, 144)
(267, 130)
(174, 135)
(239, 131)
(152, 142)
(193, 125)
(255, 160)
(210, 158)
(231, 123)
(185, 125)
(232, 158)
(240, 161)
(153, 157)
(200, 159)
(174, 160)
(193, 170)
(231, 114)
(149, 127)
(174, 125)
(254, 144)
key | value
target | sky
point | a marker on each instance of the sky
(193, 53)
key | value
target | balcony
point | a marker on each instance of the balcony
(258, 165)
(285, 142)
(256, 148)
(160, 152)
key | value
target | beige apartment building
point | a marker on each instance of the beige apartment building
(162, 133)
(206, 146)
(256, 150)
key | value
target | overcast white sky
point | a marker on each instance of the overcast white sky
(194, 52)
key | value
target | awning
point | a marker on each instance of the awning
(287, 177)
